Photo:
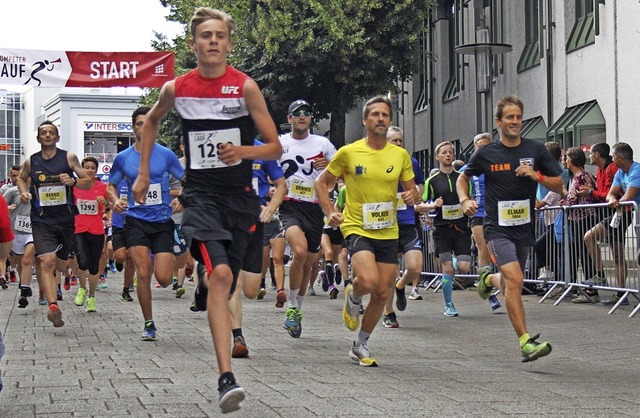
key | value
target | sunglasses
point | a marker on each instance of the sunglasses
(301, 113)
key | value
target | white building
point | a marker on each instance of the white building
(92, 122)
(573, 62)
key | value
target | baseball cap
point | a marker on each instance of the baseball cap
(297, 105)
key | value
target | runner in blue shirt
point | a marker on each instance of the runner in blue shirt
(148, 226)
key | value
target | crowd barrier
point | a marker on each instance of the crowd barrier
(563, 263)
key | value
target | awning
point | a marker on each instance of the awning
(534, 128)
(575, 118)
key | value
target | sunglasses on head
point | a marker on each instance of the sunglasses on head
(300, 113)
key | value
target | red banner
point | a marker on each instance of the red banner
(85, 69)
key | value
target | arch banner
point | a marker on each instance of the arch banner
(85, 69)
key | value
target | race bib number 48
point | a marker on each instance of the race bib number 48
(204, 147)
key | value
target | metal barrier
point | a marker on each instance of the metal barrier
(612, 251)
(564, 264)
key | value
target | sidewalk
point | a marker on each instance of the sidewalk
(97, 366)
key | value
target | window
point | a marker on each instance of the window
(423, 71)
(455, 20)
(497, 34)
(531, 55)
(584, 31)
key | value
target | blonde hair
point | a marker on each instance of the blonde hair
(203, 14)
(444, 144)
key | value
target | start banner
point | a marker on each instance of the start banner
(85, 69)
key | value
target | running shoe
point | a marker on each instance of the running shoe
(483, 290)
(180, 292)
(401, 299)
(533, 350)
(126, 296)
(390, 320)
(240, 349)
(230, 393)
(333, 292)
(582, 298)
(337, 274)
(41, 299)
(55, 315)
(261, 293)
(149, 332)
(12, 276)
(80, 297)
(325, 280)
(292, 322)
(103, 282)
(25, 292)
(351, 311)
(311, 291)
(281, 298)
(415, 295)
(450, 310)
(174, 284)
(67, 283)
(362, 355)
(494, 303)
(74, 280)
(112, 266)
(596, 280)
(272, 286)
(188, 272)
(59, 293)
(91, 304)
(119, 266)
(615, 299)
(200, 295)
(158, 285)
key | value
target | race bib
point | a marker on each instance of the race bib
(302, 190)
(255, 185)
(204, 147)
(87, 207)
(52, 195)
(401, 204)
(452, 212)
(378, 215)
(154, 195)
(514, 212)
(22, 224)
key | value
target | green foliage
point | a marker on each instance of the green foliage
(332, 53)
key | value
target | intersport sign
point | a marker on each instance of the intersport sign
(85, 69)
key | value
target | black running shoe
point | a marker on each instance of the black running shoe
(200, 298)
(230, 393)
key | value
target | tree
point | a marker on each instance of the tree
(332, 53)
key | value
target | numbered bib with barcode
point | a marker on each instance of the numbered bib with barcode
(204, 147)
(52, 195)
(22, 224)
(87, 207)
(452, 212)
(378, 215)
(400, 204)
(302, 190)
(514, 212)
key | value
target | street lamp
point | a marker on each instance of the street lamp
(483, 50)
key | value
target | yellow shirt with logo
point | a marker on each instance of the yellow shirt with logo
(371, 177)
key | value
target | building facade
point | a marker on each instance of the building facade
(573, 62)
